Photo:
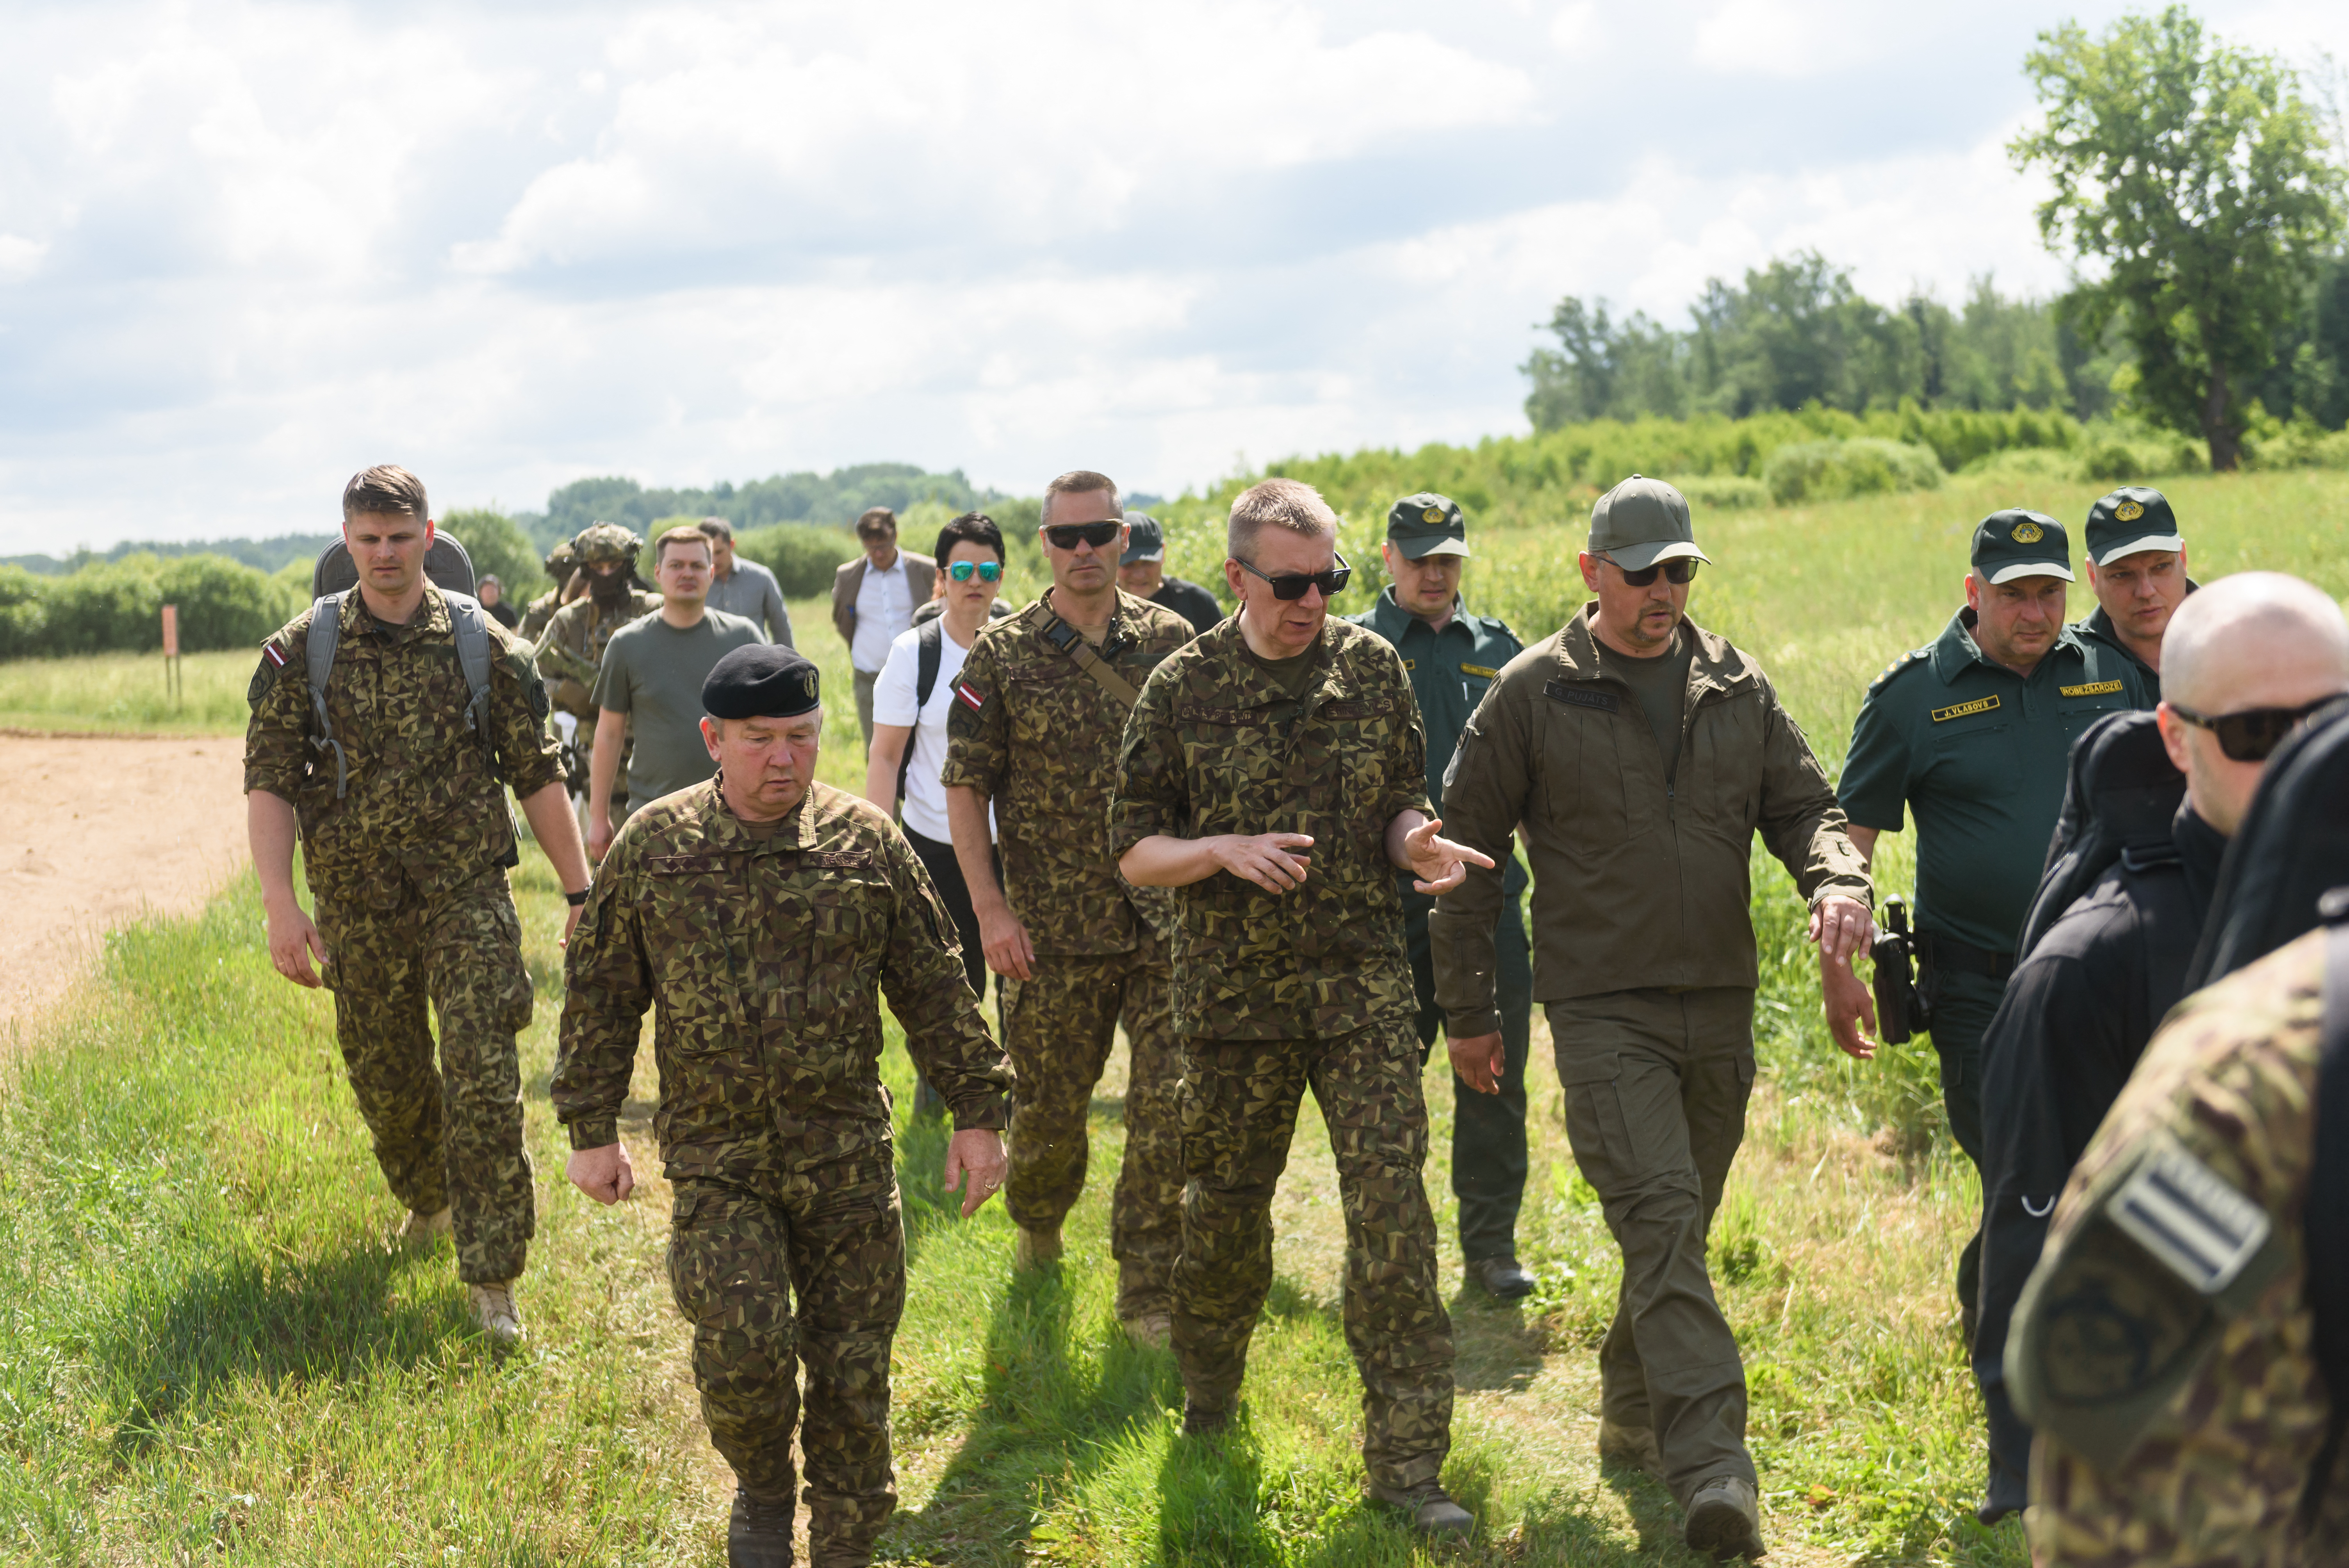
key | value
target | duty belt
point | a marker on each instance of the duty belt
(1940, 952)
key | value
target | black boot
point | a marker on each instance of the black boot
(2009, 1459)
(758, 1534)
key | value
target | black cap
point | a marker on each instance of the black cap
(765, 680)
(2133, 518)
(1144, 540)
(2018, 543)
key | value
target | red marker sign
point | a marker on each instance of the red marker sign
(170, 631)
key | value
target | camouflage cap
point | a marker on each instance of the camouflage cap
(561, 560)
(603, 544)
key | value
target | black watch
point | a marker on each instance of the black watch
(579, 900)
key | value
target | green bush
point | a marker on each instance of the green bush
(2121, 457)
(498, 547)
(117, 605)
(24, 612)
(802, 559)
(222, 603)
(1834, 470)
(1726, 493)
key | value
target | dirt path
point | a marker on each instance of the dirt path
(105, 829)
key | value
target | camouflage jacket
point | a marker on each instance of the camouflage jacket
(2215, 1471)
(571, 649)
(418, 790)
(541, 610)
(1216, 745)
(760, 957)
(1033, 731)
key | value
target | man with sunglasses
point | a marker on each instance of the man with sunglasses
(1972, 735)
(2137, 565)
(2246, 660)
(1636, 754)
(1452, 657)
(1273, 775)
(1039, 707)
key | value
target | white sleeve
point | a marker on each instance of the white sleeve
(892, 694)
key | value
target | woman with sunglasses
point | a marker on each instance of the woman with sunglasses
(910, 720)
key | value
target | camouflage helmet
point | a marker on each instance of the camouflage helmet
(606, 543)
(561, 561)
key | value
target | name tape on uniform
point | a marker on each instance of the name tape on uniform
(1581, 697)
(1479, 671)
(2188, 1216)
(2093, 688)
(1964, 709)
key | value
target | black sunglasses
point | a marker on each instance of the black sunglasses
(2252, 735)
(1069, 535)
(1291, 585)
(1676, 570)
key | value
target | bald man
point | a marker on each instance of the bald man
(2242, 663)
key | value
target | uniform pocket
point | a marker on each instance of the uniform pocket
(1595, 1123)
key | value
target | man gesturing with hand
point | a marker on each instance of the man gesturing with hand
(1273, 776)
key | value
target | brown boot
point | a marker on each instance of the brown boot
(1724, 1519)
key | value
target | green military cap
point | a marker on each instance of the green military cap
(2018, 543)
(1641, 521)
(600, 542)
(1427, 524)
(2133, 518)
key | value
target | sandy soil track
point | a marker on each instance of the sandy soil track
(106, 829)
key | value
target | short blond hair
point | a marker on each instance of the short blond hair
(1291, 504)
(692, 535)
(1079, 481)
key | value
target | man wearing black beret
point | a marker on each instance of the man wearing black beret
(759, 914)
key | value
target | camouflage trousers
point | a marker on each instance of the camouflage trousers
(1239, 1115)
(1058, 1029)
(447, 1136)
(739, 1251)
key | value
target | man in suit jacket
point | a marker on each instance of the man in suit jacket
(873, 598)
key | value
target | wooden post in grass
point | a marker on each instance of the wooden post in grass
(172, 682)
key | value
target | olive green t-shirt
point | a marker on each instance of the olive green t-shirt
(1661, 686)
(653, 673)
(1292, 674)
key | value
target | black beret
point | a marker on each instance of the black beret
(765, 680)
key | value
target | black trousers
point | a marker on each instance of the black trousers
(937, 858)
(1488, 1131)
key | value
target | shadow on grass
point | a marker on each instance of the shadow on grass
(1494, 1347)
(240, 1322)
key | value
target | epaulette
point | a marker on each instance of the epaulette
(1896, 666)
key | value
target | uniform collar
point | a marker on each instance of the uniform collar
(724, 830)
(1716, 663)
(1955, 650)
(432, 616)
(1392, 621)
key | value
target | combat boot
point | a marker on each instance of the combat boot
(1035, 1248)
(1724, 1519)
(1431, 1510)
(1502, 1277)
(421, 1228)
(1634, 1446)
(758, 1534)
(495, 1310)
(1150, 1330)
(1203, 1420)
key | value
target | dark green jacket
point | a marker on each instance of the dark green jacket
(1450, 671)
(1638, 882)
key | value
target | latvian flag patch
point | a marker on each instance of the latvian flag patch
(970, 697)
(275, 654)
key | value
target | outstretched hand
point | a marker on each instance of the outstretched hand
(1440, 864)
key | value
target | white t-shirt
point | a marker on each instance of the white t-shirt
(924, 808)
(884, 607)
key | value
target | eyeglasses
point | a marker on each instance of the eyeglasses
(1676, 571)
(1291, 585)
(989, 570)
(1069, 535)
(2252, 735)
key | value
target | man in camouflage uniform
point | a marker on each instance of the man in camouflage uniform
(1041, 706)
(570, 648)
(757, 914)
(406, 840)
(560, 565)
(1281, 740)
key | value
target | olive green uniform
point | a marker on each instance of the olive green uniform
(2179, 1414)
(761, 949)
(1645, 957)
(408, 871)
(1450, 671)
(1036, 734)
(1978, 754)
(1275, 992)
(540, 612)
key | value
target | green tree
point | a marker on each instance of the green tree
(498, 547)
(2194, 179)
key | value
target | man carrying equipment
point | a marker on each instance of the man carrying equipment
(1273, 775)
(758, 914)
(560, 565)
(2137, 565)
(1041, 706)
(387, 721)
(1452, 657)
(1971, 733)
(1637, 754)
(570, 648)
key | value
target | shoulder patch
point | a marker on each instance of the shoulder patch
(2191, 1218)
(1965, 709)
(1896, 666)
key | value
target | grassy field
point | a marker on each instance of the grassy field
(211, 1349)
(125, 694)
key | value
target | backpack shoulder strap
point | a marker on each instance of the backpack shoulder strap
(2326, 1227)
(471, 625)
(325, 632)
(932, 649)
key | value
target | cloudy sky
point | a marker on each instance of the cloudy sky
(247, 249)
